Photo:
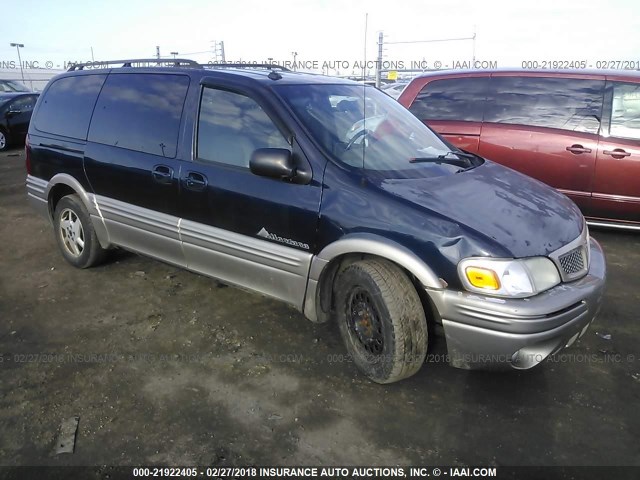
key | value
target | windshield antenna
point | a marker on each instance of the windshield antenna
(364, 96)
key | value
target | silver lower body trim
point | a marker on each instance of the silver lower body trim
(36, 187)
(36, 193)
(138, 217)
(258, 265)
(39, 205)
(618, 226)
(145, 242)
(142, 230)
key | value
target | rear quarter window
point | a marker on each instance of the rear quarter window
(561, 103)
(24, 104)
(67, 105)
(140, 112)
(625, 111)
(461, 99)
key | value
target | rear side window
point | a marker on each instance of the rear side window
(24, 104)
(461, 99)
(231, 126)
(625, 111)
(67, 106)
(563, 103)
(140, 112)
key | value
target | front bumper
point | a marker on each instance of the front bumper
(488, 332)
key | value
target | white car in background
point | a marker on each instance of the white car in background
(394, 89)
(10, 86)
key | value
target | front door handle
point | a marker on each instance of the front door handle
(577, 149)
(196, 181)
(617, 153)
(162, 174)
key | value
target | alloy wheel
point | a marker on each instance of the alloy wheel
(71, 232)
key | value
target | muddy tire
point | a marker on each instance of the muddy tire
(381, 320)
(75, 234)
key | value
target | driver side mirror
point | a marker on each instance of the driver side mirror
(273, 162)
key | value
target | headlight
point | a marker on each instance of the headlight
(508, 278)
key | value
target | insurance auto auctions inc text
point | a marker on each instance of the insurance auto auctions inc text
(422, 64)
(351, 472)
(305, 65)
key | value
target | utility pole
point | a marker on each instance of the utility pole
(18, 47)
(474, 46)
(364, 58)
(158, 52)
(379, 61)
(218, 51)
(295, 54)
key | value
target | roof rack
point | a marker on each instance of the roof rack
(267, 66)
(137, 62)
(172, 62)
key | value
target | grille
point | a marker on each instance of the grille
(573, 261)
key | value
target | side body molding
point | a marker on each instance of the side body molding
(265, 267)
(36, 188)
(365, 243)
(262, 266)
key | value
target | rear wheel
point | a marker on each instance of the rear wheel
(75, 235)
(381, 320)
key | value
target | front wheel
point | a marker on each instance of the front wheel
(75, 235)
(381, 320)
(4, 141)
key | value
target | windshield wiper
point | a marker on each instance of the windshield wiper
(460, 154)
(466, 164)
(438, 159)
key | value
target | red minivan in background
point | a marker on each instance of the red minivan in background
(578, 131)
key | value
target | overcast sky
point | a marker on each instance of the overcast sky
(322, 30)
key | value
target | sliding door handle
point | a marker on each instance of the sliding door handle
(162, 174)
(195, 181)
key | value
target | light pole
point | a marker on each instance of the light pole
(174, 54)
(18, 47)
(295, 54)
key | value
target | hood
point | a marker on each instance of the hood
(523, 216)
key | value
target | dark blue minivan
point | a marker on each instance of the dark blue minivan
(323, 193)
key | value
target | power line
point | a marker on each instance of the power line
(194, 53)
(381, 43)
(433, 41)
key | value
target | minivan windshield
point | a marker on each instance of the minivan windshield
(364, 128)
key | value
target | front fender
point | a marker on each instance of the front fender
(370, 244)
